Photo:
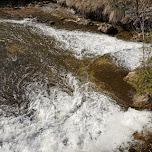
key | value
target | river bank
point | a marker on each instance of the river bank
(124, 22)
(60, 17)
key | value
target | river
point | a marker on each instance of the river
(46, 107)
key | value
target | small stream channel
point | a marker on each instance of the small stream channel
(48, 103)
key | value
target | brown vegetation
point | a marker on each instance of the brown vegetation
(113, 11)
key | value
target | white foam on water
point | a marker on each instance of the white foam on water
(128, 54)
(82, 121)
(85, 121)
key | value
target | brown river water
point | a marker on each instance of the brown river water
(63, 90)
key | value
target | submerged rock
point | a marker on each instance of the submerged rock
(107, 76)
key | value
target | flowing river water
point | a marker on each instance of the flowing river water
(46, 107)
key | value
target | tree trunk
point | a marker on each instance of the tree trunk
(137, 7)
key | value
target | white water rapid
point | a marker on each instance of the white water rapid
(86, 121)
(127, 54)
(83, 121)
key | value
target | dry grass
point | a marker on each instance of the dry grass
(114, 9)
(85, 7)
(98, 8)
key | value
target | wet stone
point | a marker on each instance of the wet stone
(51, 22)
(65, 141)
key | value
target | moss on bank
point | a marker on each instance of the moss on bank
(141, 80)
(109, 77)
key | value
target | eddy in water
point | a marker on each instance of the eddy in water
(46, 107)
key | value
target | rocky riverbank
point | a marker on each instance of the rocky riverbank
(140, 102)
(109, 19)
(52, 13)
(126, 14)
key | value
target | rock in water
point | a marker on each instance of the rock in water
(107, 28)
(142, 102)
(51, 22)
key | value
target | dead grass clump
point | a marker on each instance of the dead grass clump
(114, 10)
(96, 8)
(85, 7)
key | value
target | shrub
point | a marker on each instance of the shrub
(143, 78)
(143, 81)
